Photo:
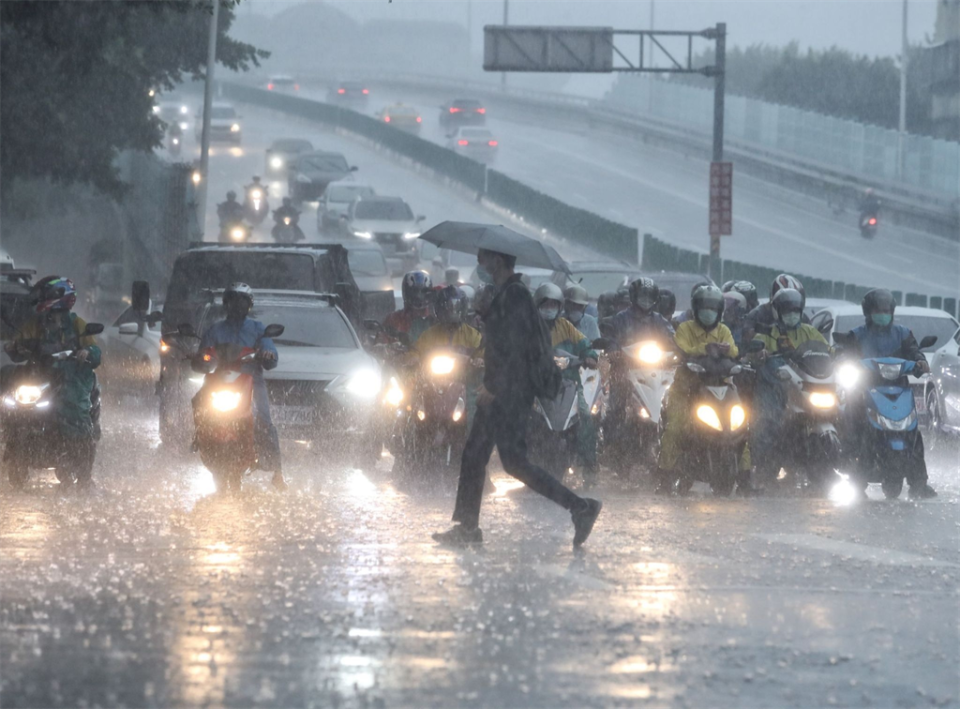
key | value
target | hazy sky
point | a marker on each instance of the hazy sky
(864, 26)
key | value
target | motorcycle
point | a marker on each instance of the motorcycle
(643, 376)
(887, 450)
(287, 231)
(868, 225)
(235, 232)
(808, 420)
(31, 434)
(223, 409)
(555, 427)
(175, 144)
(716, 440)
(255, 204)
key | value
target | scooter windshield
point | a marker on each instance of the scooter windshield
(815, 359)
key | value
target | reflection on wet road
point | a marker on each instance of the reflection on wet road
(151, 591)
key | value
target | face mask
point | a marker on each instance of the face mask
(574, 316)
(881, 319)
(549, 314)
(484, 275)
(791, 319)
(707, 317)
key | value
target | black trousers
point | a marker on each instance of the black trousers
(503, 424)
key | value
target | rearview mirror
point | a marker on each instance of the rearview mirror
(824, 327)
(928, 341)
(273, 330)
(129, 328)
(93, 328)
(186, 329)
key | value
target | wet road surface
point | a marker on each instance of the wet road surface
(152, 591)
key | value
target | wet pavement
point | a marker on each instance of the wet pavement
(152, 591)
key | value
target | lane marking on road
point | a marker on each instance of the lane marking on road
(863, 552)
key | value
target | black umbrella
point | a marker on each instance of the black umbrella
(470, 238)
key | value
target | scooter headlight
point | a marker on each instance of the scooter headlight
(235, 128)
(650, 353)
(823, 399)
(848, 375)
(276, 163)
(708, 415)
(890, 371)
(237, 234)
(28, 394)
(286, 221)
(256, 194)
(737, 416)
(394, 394)
(442, 364)
(225, 400)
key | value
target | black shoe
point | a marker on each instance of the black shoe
(664, 488)
(584, 519)
(747, 490)
(921, 492)
(459, 535)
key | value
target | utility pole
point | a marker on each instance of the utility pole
(506, 21)
(719, 88)
(901, 138)
(207, 105)
(470, 29)
(653, 3)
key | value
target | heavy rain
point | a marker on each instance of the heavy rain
(278, 277)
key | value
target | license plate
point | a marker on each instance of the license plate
(295, 414)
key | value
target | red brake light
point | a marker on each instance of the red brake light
(341, 91)
(492, 143)
(873, 220)
(454, 109)
(269, 87)
(386, 119)
(207, 357)
(419, 120)
(366, 91)
(481, 110)
(296, 87)
(463, 142)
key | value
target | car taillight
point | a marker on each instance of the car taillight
(463, 142)
(269, 87)
(481, 110)
(386, 119)
(419, 120)
(454, 109)
(341, 91)
(492, 143)
(296, 87)
(873, 221)
(366, 91)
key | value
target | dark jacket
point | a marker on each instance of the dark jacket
(631, 325)
(893, 341)
(512, 342)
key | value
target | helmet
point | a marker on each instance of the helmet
(469, 293)
(748, 291)
(238, 290)
(878, 299)
(231, 196)
(644, 293)
(707, 298)
(786, 281)
(667, 305)
(787, 300)
(607, 304)
(415, 287)
(449, 304)
(54, 294)
(577, 294)
(727, 287)
(733, 302)
(287, 202)
(548, 291)
(621, 298)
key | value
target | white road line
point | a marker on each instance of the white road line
(863, 552)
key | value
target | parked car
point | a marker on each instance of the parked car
(401, 116)
(942, 390)
(476, 143)
(597, 276)
(284, 151)
(369, 268)
(336, 200)
(349, 92)
(283, 83)
(390, 222)
(225, 123)
(311, 172)
(462, 112)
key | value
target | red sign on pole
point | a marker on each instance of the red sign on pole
(721, 198)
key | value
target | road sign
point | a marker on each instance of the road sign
(566, 49)
(721, 198)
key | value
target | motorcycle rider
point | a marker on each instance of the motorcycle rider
(746, 289)
(769, 397)
(416, 316)
(55, 329)
(640, 320)
(255, 185)
(667, 306)
(688, 313)
(575, 302)
(563, 335)
(869, 204)
(481, 305)
(238, 329)
(764, 315)
(880, 336)
(230, 212)
(734, 310)
(287, 210)
(704, 335)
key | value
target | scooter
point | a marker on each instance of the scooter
(811, 444)
(887, 451)
(31, 434)
(287, 231)
(255, 204)
(175, 144)
(223, 409)
(712, 451)
(868, 225)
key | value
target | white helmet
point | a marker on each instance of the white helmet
(238, 289)
(548, 291)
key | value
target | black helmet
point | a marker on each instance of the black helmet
(787, 300)
(707, 297)
(416, 288)
(748, 291)
(231, 195)
(607, 304)
(667, 305)
(287, 202)
(644, 293)
(876, 300)
(449, 304)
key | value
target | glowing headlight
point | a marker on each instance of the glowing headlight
(708, 415)
(184, 110)
(823, 399)
(225, 400)
(164, 347)
(156, 109)
(848, 374)
(235, 128)
(441, 364)
(737, 417)
(237, 234)
(363, 234)
(394, 394)
(412, 235)
(256, 194)
(27, 394)
(276, 163)
(650, 353)
(286, 221)
(365, 383)
(183, 125)
(459, 410)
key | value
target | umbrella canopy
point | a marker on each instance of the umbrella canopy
(470, 238)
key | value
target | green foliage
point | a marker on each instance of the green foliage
(75, 80)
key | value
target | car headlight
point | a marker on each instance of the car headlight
(235, 128)
(737, 416)
(363, 234)
(184, 110)
(28, 394)
(650, 353)
(225, 400)
(184, 125)
(823, 399)
(412, 235)
(848, 375)
(394, 393)
(276, 163)
(442, 364)
(237, 234)
(708, 415)
(364, 383)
